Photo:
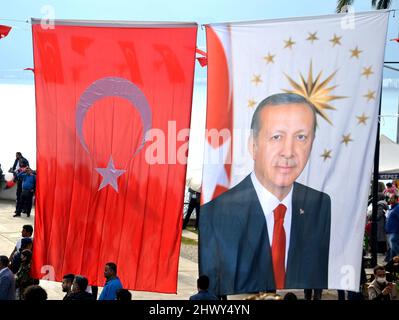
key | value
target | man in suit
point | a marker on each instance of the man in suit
(7, 280)
(270, 232)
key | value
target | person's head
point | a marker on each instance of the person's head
(18, 155)
(26, 243)
(203, 282)
(381, 186)
(27, 231)
(389, 185)
(26, 256)
(4, 262)
(35, 293)
(67, 281)
(393, 199)
(282, 133)
(123, 295)
(290, 296)
(79, 284)
(380, 274)
(110, 270)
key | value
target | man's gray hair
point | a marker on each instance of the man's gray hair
(275, 100)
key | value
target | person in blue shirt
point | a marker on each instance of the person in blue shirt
(203, 293)
(28, 190)
(392, 228)
(112, 284)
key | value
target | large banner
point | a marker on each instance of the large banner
(291, 132)
(113, 105)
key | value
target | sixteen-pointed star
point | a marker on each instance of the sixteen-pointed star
(362, 119)
(269, 58)
(110, 175)
(256, 79)
(367, 72)
(356, 52)
(312, 37)
(336, 40)
(370, 95)
(326, 154)
(346, 139)
(289, 43)
(251, 103)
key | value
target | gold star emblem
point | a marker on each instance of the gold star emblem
(326, 154)
(251, 103)
(370, 95)
(269, 58)
(346, 139)
(256, 79)
(355, 52)
(315, 91)
(312, 37)
(362, 119)
(367, 72)
(336, 40)
(289, 43)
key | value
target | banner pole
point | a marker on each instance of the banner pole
(373, 240)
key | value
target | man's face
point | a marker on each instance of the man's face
(66, 285)
(24, 233)
(75, 286)
(17, 155)
(108, 273)
(282, 147)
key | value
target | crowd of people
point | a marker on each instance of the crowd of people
(17, 283)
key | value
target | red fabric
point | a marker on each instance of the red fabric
(4, 30)
(78, 228)
(278, 246)
(219, 96)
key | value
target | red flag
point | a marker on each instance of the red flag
(106, 98)
(219, 119)
(4, 30)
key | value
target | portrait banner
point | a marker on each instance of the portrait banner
(113, 106)
(292, 120)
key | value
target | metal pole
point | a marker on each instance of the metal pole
(373, 240)
(397, 126)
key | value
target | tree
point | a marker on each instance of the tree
(378, 4)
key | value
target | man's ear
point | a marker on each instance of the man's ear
(252, 146)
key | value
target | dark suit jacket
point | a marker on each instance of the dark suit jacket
(234, 247)
(7, 285)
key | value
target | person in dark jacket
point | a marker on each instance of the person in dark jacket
(79, 289)
(19, 166)
(203, 293)
(28, 190)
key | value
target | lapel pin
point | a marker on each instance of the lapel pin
(301, 211)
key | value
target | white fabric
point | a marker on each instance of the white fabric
(349, 166)
(389, 155)
(268, 203)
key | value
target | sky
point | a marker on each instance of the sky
(16, 52)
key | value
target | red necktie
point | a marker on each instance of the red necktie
(278, 246)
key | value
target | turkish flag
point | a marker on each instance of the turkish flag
(113, 104)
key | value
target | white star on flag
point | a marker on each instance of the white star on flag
(110, 175)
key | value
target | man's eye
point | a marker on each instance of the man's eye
(276, 137)
(301, 137)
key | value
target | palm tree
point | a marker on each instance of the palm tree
(380, 4)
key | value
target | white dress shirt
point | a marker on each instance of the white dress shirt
(269, 202)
